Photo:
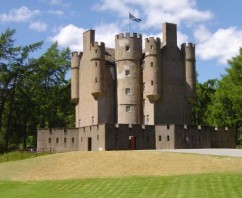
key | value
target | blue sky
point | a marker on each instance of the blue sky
(215, 26)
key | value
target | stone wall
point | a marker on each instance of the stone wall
(57, 140)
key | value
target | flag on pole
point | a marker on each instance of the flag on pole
(133, 18)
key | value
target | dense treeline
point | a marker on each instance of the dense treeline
(34, 93)
(219, 102)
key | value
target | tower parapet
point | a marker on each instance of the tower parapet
(128, 56)
(98, 69)
(151, 73)
(75, 63)
(188, 51)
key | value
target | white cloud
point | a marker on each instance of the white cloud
(38, 26)
(69, 36)
(220, 45)
(106, 33)
(22, 14)
(154, 12)
(56, 12)
(56, 3)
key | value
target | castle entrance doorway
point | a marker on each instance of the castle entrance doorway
(89, 144)
(132, 142)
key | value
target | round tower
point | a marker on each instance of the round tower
(190, 60)
(75, 63)
(151, 72)
(97, 64)
(128, 56)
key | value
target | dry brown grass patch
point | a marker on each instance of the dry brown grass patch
(115, 164)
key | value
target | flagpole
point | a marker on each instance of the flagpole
(129, 26)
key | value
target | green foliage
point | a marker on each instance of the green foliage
(226, 109)
(205, 93)
(33, 91)
(206, 185)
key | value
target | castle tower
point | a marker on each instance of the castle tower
(190, 60)
(151, 78)
(151, 73)
(97, 67)
(188, 52)
(128, 56)
(75, 63)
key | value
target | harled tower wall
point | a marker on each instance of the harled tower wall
(128, 56)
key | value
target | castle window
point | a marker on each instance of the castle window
(49, 140)
(97, 137)
(168, 138)
(81, 139)
(127, 72)
(96, 64)
(64, 140)
(159, 137)
(152, 82)
(96, 80)
(151, 64)
(144, 101)
(92, 120)
(127, 91)
(147, 119)
(96, 51)
(127, 48)
(151, 47)
(168, 126)
(57, 140)
(72, 140)
(128, 108)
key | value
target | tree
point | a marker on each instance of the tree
(226, 109)
(14, 67)
(205, 92)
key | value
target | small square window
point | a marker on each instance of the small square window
(57, 140)
(92, 120)
(151, 64)
(49, 140)
(96, 64)
(128, 108)
(72, 140)
(64, 140)
(152, 83)
(127, 91)
(127, 48)
(151, 47)
(168, 138)
(127, 72)
(96, 51)
(159, 137)
(97, 137)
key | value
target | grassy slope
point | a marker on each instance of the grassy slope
(74, 165)
(122, 174)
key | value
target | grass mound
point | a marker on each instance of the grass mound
(77, 165)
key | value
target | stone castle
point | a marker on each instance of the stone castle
(127, 98)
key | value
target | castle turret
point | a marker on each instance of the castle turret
(128, 55)
(98, 64)
(151, 73)
(75, 63)
(189, 56)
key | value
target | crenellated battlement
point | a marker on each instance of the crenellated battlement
(97, 50)
(128, 35)
(152, 46)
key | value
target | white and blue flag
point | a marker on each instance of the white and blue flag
(133, 18)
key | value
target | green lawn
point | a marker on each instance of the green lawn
(202, 185)
(19, 155)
